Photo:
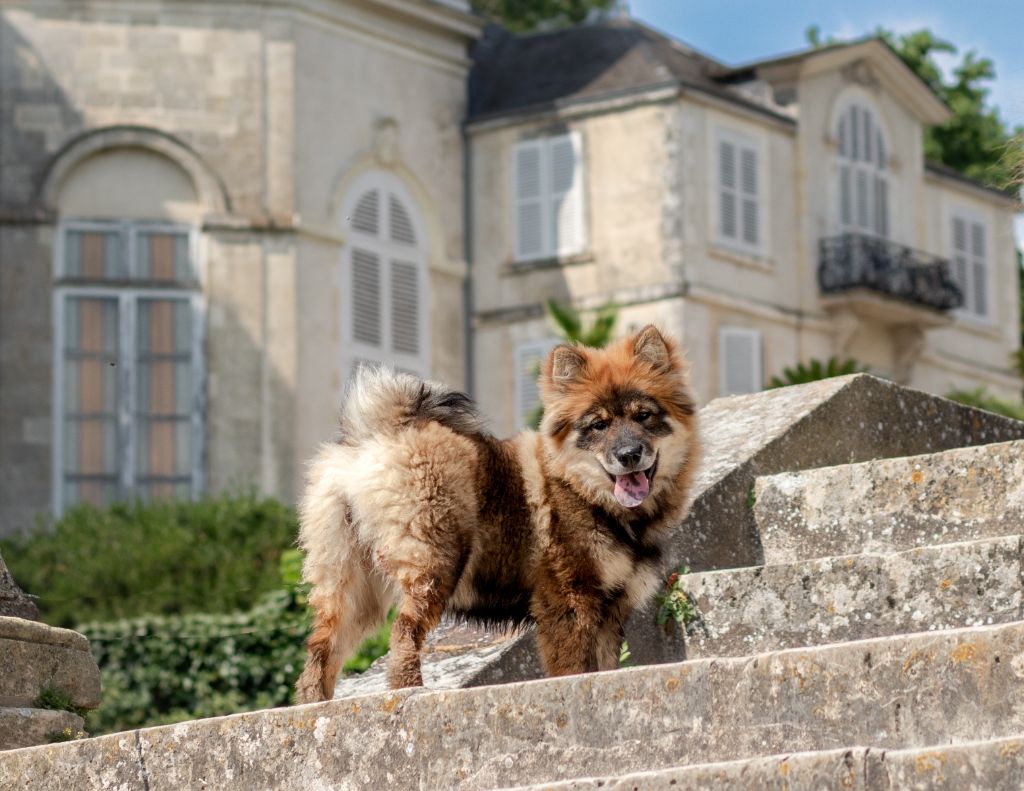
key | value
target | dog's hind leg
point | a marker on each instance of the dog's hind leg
(423, 602)
(344, 612)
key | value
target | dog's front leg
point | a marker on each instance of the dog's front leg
(568, 621)
(611, 634)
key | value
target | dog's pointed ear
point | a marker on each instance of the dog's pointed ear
(650, 346)
(565, 364)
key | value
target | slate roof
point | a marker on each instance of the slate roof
(532, 72)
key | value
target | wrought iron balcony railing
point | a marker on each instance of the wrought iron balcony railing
(855, 260)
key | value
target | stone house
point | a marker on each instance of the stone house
(188, 192)
(211, 211)
(768, 214)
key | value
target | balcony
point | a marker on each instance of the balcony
(856, 262)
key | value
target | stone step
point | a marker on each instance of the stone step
(34, 655)
(975, 766)
(831, 600)
(892, 504)
(903, 692)
(27, 727)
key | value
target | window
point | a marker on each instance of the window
(548, 203)
(385, 280)
(739, 201)
(128, 363)
(970, 270)
(529, 357)
(740, 364)
(863, 173)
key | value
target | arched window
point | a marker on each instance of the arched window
(128, 331)
(384, 279)
(863, 172)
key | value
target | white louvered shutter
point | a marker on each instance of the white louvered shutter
(979, 270)
(739, 361)
(748, 186)
(529, 357)
(959, 272)
(529, 199)
(366, 297)
(728, 210)
(566, 208)
(739, 189)
(386, 286)
(863, 181)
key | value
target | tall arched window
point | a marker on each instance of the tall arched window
(384, 279)
(863, 172)
(128, 332)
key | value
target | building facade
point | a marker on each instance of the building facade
(767, 214)
(211, 212)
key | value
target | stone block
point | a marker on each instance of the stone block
(34, 655)
(977, 766)
(829, 600)
(26, 727)
(842, 420)
(892, 504)
(905, 692)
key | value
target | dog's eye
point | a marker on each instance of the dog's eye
(599, 425)
(642, 416)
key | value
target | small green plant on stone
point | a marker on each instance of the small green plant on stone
(751, 498)
(624, 654)
(676, 604)
(66, 735)
(50, 697)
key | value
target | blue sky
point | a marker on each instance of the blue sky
(736, 31)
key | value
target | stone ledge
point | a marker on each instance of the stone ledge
(34, 655)
(892, 504)
(830, 600)
(902, 692)
(976, 766)
(36, 632)
(26, 727)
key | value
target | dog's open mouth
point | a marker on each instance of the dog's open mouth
(632, 488)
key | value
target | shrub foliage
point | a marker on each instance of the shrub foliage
(163, 669)
(216, 555)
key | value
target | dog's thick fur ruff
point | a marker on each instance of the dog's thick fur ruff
(417, 505)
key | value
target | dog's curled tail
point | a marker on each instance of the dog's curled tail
(380, 401)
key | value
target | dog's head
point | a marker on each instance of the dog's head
(619, 421)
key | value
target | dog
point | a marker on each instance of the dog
(417, 505)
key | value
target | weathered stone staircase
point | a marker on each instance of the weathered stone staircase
(860, 626)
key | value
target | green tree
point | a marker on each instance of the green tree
(975, 141)
(569, 325)
(522, 15)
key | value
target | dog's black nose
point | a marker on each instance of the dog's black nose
(630, 455)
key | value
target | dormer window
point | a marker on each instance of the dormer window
(863, 172)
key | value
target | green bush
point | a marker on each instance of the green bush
(982, 399)
(815, 371)
(216, 555)
(163, 669)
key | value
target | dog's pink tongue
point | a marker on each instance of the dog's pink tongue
(631, 489)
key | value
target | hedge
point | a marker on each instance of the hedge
(163, 669)
(215, 555)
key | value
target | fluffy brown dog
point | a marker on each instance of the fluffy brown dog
(417, 504)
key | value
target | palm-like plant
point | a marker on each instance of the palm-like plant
(814, 371)
(569, 324)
